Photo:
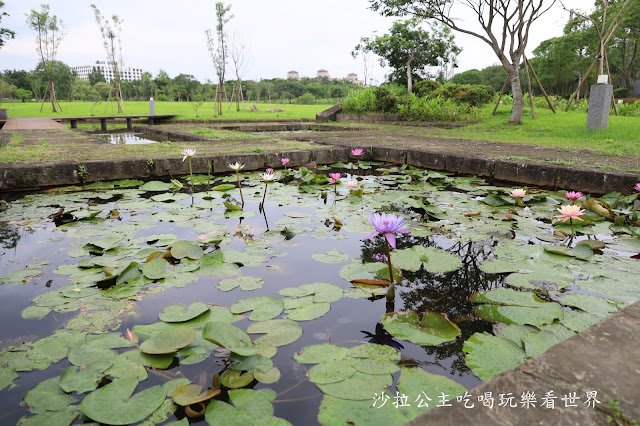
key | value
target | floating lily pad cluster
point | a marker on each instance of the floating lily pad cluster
(130, 240)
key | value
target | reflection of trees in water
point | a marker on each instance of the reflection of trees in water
(448, 293)
(11, 234)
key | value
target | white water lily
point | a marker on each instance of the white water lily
(269, 177)
(237, 166)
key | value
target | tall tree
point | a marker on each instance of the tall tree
(5, 33)
(218, 50)
(110, 30)
(556, 64)
(238, 53)
(96, 75)
(504, 25)
(48, 31)
(408, 49)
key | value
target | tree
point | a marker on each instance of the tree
(48, 32)
(103, 89)
(96, 75)
(556, 63)
(408, 49)
(82, 90)
(5, 33)
(218, 50)
(19, 78)
(61, 74)
(504, 25)
(24, 94)
(238, 54)
(468, 77)
(112, 42)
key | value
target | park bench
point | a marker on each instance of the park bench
(103, 119)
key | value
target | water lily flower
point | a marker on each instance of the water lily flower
(269, 170)
(572, 195)
(352, 184)
(268, 177)
(285, 161)
(389, 225)
(637, 187)
(570, 212)
(237, 166)
(188, 153)
(378, 257)
(518, 193)
(356, 152)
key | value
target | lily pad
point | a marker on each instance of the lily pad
(83, 379)
(433, 260)
(276, 332)
(374, 351)
(309, 312)
(331, 256)
(538, 342)
(434, 328)
(214, 265)
(47, 396)
(245, 283)
(156, 186)
(488, 355)
(115, 403)
(515, 307)
(592, 304)
(331, 372)
(168, 341)
(360, 386)
(230, 337)
(190, 394)
(234, 379)
(322, 292)
(315, 354)
(335, 411)
(263, 307)
(268, 377)
(156, 269)
(178, 313)
(182, 249)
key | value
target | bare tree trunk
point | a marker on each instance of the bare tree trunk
(518, 98)
(52, 95)
(409, 76)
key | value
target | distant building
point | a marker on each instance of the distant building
(323, 74)
(128, 73)
(293, 74)
(353, 78)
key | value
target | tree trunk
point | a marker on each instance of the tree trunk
(518, 98)
(52, 95)
(409, 77)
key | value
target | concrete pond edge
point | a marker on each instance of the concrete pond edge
(25, 176)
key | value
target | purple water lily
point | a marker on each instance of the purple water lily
(389, 225)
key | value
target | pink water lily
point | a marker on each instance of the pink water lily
(352, 184)
(285, 161)
(335, 176)
(518, 193)
(270, 170)
(637, 187)
(188, 153)
(570, 212)
(388, 225)
(356, 152)
(573, 195)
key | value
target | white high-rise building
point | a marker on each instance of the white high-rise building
(127, 73)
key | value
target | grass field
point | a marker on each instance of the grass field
(183, 110)
(565, 130)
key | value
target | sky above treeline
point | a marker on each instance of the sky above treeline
(283, 35)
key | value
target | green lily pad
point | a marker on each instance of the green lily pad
(375, 366)
(214, 265)
(322, 292)
(538, 342)
(417, 382)
(309, 312)
(316, 354)
(168, 341)
(156, 269)
(190, 394)
(156, 186)
(223, 187)
(515, 307)
(331, 256)
(115, 403)
(182, 249)
(47, 396)
(276, 332)
(488, 355)
(368, 271)
(35, 312)
(251, 407)
(178, 313)
(331, 372)
(263, 307)
(230, 337)
(434, 328)
(234, 379)
(245, 283)
(592, 304)
(360, 386)
(336, 411)
(547, 279)
(161, 362)
(494, 200)
(373, 351)
(83, 379)
(579, 321)
(433, 260)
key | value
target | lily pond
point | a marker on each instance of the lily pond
(127, 302)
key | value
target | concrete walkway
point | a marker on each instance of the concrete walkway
(32, 123)
(605, 358)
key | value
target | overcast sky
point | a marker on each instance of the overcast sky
(284, 35)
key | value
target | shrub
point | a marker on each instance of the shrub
(471, 94)
(435, 109)
(359, 101)
(386, 100)
(306, 99)
(425, 87)
(621, 92)
(629, 109)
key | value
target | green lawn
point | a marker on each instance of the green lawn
(184, 110)
(565, 130)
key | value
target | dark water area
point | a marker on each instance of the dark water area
(119, 138)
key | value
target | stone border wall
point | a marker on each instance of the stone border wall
(369, 118)
(27, 176)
